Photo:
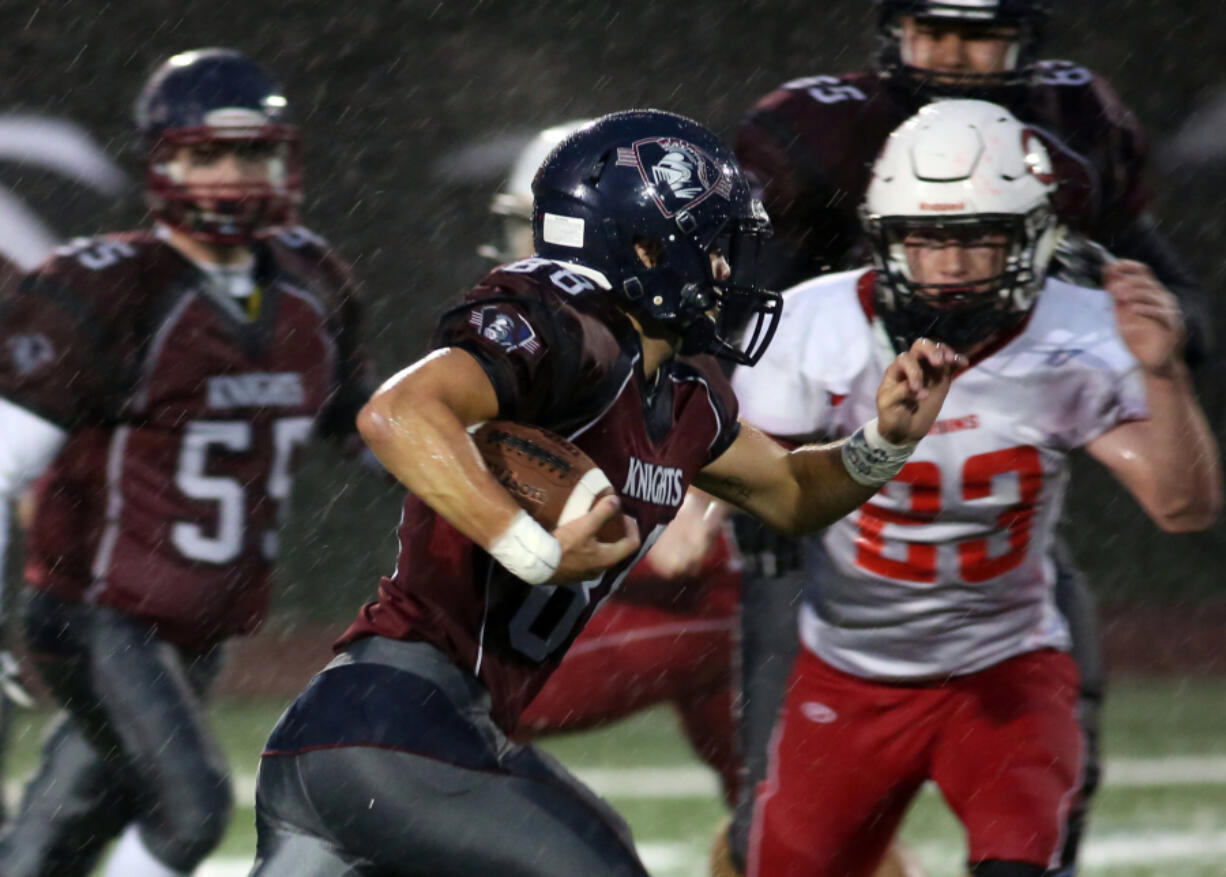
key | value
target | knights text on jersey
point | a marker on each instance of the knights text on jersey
(948, 569)
(185, 416)
(810, 146)
(560, 356)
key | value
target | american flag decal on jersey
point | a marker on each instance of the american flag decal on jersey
(505, 328)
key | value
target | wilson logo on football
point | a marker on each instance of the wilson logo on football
(680, 174)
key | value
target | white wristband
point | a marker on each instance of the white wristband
(527, 550)
(870, 459)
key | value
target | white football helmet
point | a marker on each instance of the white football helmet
(513, 204)
(959, 164)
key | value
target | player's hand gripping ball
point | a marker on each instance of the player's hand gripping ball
(551, 479)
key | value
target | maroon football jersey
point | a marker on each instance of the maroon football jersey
(562, 357)
(185, 410)
(810, 145)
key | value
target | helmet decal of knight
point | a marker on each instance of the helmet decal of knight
(588, 195)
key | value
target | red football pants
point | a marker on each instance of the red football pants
(848, 756)
(632, 656)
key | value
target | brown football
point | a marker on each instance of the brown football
(550, 478)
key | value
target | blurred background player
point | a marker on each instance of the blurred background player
(931, 644)
(809, 146)
(165, 380)
(395, 759)
(68, 150)
(669, 633)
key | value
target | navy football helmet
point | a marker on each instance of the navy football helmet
(218, 97)
(667, 184)
(1030, 17)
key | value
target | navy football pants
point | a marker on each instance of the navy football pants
(132, 745)
(389, 765)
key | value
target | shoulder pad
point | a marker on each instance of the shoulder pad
(297, 238)
(1074, 327)
(298, 249)
(100, 253)
(843, 91)
(1062, 73)
(832, 89)
(1085, 95)
(112, 270)
(541, 274)
(829, 334)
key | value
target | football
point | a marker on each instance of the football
(550, 478)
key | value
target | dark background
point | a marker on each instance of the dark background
(394, 96)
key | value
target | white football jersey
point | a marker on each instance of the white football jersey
(949, 568)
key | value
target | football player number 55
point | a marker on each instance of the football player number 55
(225, 541)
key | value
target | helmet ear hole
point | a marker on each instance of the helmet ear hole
(598, 168)
(650, 252)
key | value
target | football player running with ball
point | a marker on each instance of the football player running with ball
(395, 760)
(931, 644)
(669, 634)
(165, 380)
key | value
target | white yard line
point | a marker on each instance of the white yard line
(1100, 854)
(1104, 853)
(698, 782)
(1188, 770)
(665, 859)
(1117, 850)
(692, 781)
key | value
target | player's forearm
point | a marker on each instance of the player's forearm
(827, 492)
(1184, 483)
(812, 491)
(423, 443)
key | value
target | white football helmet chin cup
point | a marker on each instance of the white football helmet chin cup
(513, 203)
(959, 164)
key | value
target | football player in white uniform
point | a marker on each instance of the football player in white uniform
(932, 645)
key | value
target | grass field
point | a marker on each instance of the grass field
(1162, 811)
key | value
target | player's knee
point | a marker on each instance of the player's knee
(187, 830)
(998, 868)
